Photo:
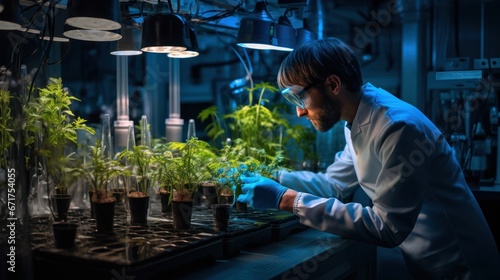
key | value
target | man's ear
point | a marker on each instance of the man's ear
(334, 84)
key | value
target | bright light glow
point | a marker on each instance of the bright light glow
(163, 49)
(127, 53)
(264, 47)
(184, 54)
(256, 46)
(278, 48)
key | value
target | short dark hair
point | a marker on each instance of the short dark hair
(315, 61)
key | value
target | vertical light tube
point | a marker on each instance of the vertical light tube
(174, 123)
(122, 87)
(122, 122)
(174, 89)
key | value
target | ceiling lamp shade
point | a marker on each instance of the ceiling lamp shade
(193, 51)
(165, 33)
(285, 34)
(130, 43)
(92, 20)
(9, 17)
(257, 30)
(92, 35)
(94, 14)
(305, 34)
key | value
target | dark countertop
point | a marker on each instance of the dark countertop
(308, 254)
(257, 245)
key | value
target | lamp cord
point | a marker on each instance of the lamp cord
(248, 69)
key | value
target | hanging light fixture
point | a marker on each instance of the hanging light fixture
(285, 34)
(165, 33)
(9, 17)
(130, 43)
(305, 34)
(94, 14)
(193, 51)
(93, 20)
(258, 29)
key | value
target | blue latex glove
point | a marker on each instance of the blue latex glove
(261, 192)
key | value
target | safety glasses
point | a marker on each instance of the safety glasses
(297, 95)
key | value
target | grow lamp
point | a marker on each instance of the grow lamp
(165, 33)
(257, 30)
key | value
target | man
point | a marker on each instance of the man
(421, 201)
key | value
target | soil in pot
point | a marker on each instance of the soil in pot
(61, 204)
(221, 214)
(181, 214)
(64, 234)
(139, 206)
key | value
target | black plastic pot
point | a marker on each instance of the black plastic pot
(104, 215)
(181, 214)
(119, 196)
(221, 214)
(61, 204)
(241, 207)
(226, 199)
(64, 234)
(139, 210)
(210, 195)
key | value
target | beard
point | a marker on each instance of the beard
(328, 116)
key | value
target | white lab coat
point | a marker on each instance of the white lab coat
(421, 201)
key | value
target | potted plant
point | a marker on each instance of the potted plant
(188, 171)
(99, 172)
(258, 125)
(162, 160)
(63, 172)
(139, 161)
(58, 129)
(222, 169)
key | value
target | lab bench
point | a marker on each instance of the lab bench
(257, 245)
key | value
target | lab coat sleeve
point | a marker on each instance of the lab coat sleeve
(338, 181)
(399, 193)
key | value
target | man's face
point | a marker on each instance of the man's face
(326, 112)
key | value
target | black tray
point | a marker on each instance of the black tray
(143, 252)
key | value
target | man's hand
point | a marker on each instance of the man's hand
(261, 192)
